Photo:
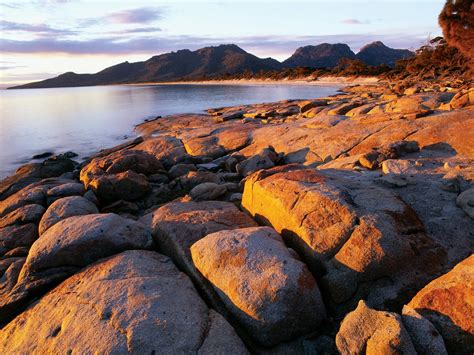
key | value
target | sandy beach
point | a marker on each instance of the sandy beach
(329, 80)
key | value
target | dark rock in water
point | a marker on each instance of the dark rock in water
(68, 154)
(42, 155)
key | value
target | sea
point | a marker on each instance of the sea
(85, 120)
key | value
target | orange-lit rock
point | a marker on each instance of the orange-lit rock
(167, 149)
(371, 332)
(447, 303)
(23, 215)
(17, 236)
(67, 246)
(176, 226)
(134, 302)
(65, 190)
(270, 292)
(351, 233)
(64, 208)
(120, 175)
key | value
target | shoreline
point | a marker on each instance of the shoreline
(336, 81)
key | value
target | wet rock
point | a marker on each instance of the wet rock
(425, 337)
(23, 215)
(368, 331)
(207, 191)
(42, 155)
(261, 283)
(337, 225)
(466, 201)
(155, 306)
(446, 302)
(64, 208)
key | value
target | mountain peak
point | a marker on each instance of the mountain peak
(319, 56)
(377, 53)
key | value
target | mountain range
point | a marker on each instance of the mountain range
(221, 60)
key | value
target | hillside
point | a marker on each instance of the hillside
(377, 53)
(180, 65)
(321, 56)
(220, 62)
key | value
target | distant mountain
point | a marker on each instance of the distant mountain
(324, 55)
(181, 65)
(217, 62)
(377, 53)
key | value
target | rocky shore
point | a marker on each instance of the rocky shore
(342, 224)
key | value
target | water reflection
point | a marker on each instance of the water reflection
(87, 119)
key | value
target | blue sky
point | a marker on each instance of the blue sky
(40, 39)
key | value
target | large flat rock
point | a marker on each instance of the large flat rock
(134, 302)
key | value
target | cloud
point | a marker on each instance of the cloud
(138, 15)
(353, 21)
(132, 16)
(136, 30)
(10, 67)
(38, 28)
(260, 45)
(10, 6)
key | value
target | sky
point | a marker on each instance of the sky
(40, 39)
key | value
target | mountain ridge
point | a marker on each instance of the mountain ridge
(208, 62)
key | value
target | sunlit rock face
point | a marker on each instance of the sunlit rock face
(366, 330)
(64, 208)
(447, 303)
(264, 285)
(167, 149)
(121, 175)
(362, 241)
(67, 246)
(176, 226)
(134, 302)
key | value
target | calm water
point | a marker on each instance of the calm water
(85, 120)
